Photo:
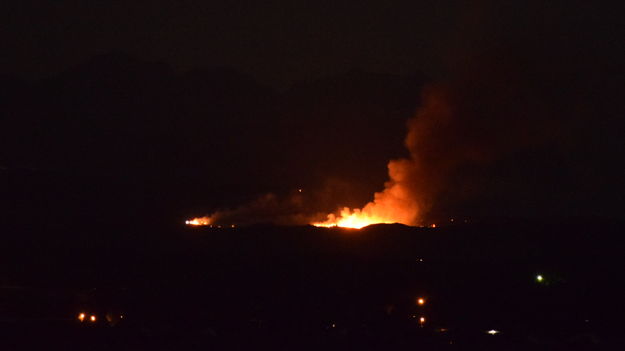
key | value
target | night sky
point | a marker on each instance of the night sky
(175, 108)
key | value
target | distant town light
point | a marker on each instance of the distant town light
(422, 320)
(539, 278)
(81, 317)
(493, 332)
(421, 301)
(92, 318)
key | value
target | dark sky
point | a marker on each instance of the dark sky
(551, 70)
(277, 41)
(283, 40)
(280, 41)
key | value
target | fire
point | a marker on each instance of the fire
(395, 204)
(351, 219)
(198, 221)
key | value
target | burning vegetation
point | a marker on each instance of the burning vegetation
(404, 199)
(198, 221)
(460, 129)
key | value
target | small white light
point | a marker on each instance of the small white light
(493, 332)
(539, 278)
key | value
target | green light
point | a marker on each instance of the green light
(539, 278)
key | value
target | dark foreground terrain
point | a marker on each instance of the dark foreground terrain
(534, 286)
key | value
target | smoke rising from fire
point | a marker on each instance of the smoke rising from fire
(462, 123)
(268, 208)
(498, 128)
(447, 132)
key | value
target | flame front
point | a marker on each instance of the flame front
(198, 221)
(351, 219)
(397, 203)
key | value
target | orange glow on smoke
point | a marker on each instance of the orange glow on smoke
(395, 204)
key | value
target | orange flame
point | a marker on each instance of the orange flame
(198, 221)
(395, 204)
(351, 219)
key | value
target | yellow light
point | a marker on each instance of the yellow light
(81, 317)
(92, 318)
(422, 320)
(198, 221)
(421, 301)
(539, 278)
(493, 332)
(354, 219)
